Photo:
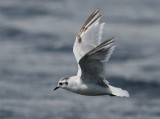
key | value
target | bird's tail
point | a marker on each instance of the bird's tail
(118, 92)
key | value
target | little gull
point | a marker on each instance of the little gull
(91, 56)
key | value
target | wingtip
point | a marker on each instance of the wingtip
(89, 22)
(112, 39)
(98, 10)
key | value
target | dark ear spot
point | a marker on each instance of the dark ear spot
(66, 83)
(60, 83)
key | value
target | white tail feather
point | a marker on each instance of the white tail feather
(118, 91)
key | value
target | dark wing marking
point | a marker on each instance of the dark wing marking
(88, 23)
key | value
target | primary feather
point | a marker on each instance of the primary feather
(88, 37)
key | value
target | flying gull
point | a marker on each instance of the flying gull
(91, 56)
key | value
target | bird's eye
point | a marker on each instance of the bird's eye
(60, 83)
(66, 83)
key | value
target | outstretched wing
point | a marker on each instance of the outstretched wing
(88, 37)
(93, 64)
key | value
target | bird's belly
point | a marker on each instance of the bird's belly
(92, 90)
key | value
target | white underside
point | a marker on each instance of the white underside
(95, 90)
(90, 89)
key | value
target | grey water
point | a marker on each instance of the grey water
(36, 39)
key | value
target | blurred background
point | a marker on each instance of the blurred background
(36, 39)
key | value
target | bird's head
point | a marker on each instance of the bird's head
(63, 83)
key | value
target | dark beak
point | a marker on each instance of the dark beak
(56, 88)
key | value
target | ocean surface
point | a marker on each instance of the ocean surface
(36, 39)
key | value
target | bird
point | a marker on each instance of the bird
(91, 55)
